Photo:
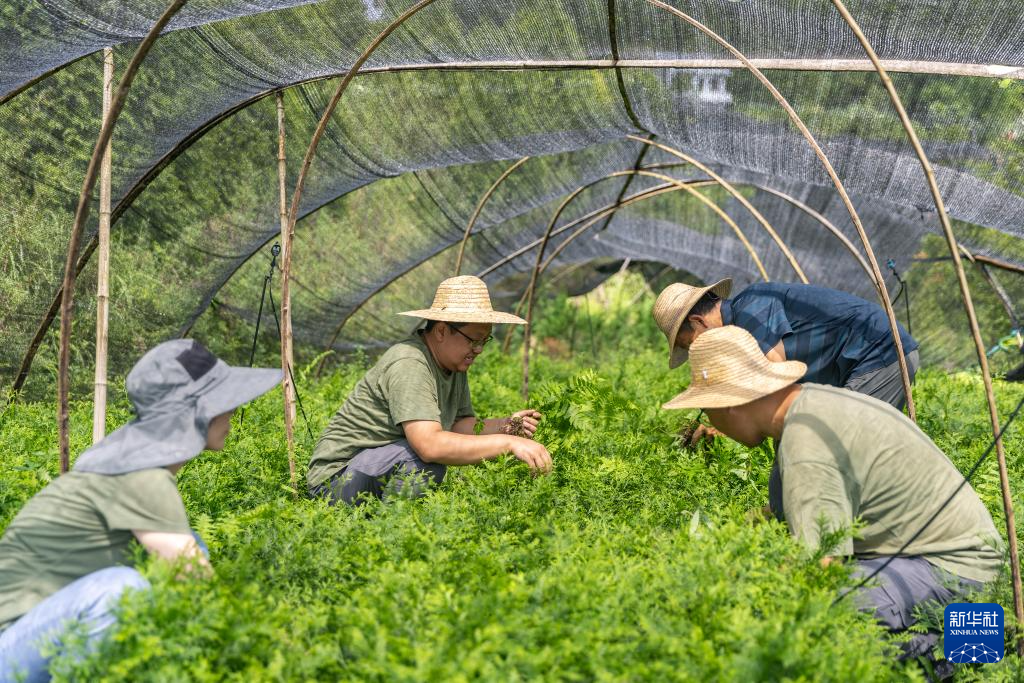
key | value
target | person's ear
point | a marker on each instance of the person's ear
(696, 319)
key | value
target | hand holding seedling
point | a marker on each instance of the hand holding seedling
(703, 433)
(523, 423)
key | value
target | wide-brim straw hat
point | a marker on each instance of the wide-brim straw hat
(727, 368)
(464, 299)
(673, 305)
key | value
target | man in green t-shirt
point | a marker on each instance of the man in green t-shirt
(65, 558)
(411, 414)
(842, 458)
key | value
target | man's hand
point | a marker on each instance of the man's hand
(532, 453)
(531, 418)
(703, 433)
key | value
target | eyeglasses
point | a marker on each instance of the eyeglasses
(478, 344)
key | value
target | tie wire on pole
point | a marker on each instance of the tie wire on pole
(902, 291)
(275, 251)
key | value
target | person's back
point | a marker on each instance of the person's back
(838, 335)
(848, 456)
(65, 559)
(81, 523)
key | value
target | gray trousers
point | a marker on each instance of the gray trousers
(886, 384)
(394, 469)
(907, 583)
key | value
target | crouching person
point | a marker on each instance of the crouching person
(65, 558)
(411, 414)
(843, 456)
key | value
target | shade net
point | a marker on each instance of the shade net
(447, 103)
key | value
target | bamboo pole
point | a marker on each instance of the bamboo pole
(1000, 71)
(883, 293)
(321, 127)
(479, 207)
(99, 404)
(528, 293)
(826, 223)
(81, 214)
(287, 354)
(659, 189)
(603, 212)
(972, 319)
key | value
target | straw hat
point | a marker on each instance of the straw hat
(674, 304)
(727, 368)
(464, 299)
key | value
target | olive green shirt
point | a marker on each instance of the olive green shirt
(845, 456)
(406, 384)
(80, 523)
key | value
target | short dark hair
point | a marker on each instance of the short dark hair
(432, 323)
(704, 305)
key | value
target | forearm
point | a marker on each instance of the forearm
(468, 425)
(453, 448)
(494, 425)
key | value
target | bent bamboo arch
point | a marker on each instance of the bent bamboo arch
(480, 207)
(883, 293)
(82, 213)
(746, 63)
(965, 294)
(678, 184)
(847, 65)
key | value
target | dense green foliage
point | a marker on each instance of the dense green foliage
(634, 560)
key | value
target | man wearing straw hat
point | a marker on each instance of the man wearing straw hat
(844, 340)
(411, 414)
(844, 457)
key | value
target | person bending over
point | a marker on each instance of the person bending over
(65, 558)
(844, 457)
(411, 414)
(844, 340)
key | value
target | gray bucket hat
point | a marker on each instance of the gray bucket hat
(177, 388)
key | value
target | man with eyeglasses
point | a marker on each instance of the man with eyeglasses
(411, 414)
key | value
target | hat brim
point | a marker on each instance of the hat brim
(677, 355)
(496, 317)
(240, 386)
(740, 391)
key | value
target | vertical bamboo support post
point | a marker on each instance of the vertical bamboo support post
(81, 214)
(99, 404)
(287, 355)
(480, 207)
(883, 293)
(972, 319)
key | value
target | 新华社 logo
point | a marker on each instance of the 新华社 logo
(973, 633)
